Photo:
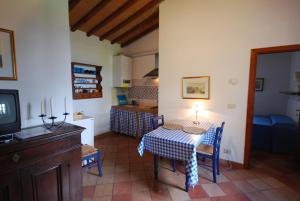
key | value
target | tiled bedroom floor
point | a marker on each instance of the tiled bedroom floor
(126, 176)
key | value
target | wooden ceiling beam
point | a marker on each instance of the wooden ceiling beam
(73, 4)
(109, 18)
(90, 14)
(150, 20)
(130, 19)
(140, 35)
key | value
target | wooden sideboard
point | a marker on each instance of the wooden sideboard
(42, 168)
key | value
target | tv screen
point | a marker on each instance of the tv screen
(9, 111)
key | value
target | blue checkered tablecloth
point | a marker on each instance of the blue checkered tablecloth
(178, 145)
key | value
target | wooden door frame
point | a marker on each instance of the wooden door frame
(251, 92)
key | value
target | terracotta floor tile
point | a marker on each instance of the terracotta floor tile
(123, 197)
(259, 184)
(141, 196)
(122, 188)
(201, 199)
(274, 195)
(289, 193)
(88, 191)
(89, 179)
(103, 189)
(137, 175)
(213, 190)
(257, 196)
(229, 188)
(122, 177)
(197, 192)
(178, 194)
(102, 198)
(160, 195)
(244, 186)
(273, 182)
(106, 179)
(140, 185)
(238, 197)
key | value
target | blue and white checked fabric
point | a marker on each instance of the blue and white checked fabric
(123, 121)
(145, 122)
(174, 144)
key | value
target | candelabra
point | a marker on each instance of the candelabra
(52, 124)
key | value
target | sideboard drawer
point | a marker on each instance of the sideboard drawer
(21, 158)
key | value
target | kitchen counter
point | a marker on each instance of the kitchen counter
(135, 108)
(132, 120)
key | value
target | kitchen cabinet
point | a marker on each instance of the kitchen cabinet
(46, 167)
(122, 71)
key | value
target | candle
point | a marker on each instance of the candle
(41, 107)
(51, 107)
(65, 104)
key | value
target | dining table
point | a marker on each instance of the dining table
(179, 145)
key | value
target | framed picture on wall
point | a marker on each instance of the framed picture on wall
(195, 87)
(259, 85)
(8, 68)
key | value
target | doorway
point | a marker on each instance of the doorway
(251, 92)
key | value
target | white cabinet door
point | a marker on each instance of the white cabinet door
(122, 69)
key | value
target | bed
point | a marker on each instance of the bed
(275, 133)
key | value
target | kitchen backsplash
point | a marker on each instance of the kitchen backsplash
(143, 92)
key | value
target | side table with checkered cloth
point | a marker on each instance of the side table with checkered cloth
(177, 145)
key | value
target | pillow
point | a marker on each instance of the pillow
(122, 100)
(281, 119)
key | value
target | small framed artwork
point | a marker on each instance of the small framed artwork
(195, 87)
(8, 67)
(259, 85)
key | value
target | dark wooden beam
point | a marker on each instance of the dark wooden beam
(140, 35)
(154, 17)
(89, 15)
(130, 19)
(109, 18)
(72, 4)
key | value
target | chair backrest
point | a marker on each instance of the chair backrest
(217, 140)
(157, 121)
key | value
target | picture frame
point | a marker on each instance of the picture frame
(8, 67)
(196, 87)
(259, 84)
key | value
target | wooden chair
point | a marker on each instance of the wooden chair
(212, 152)
(88, 155)
(157, 122)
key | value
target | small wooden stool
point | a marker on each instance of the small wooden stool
(89, 154)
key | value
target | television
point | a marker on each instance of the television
(10, 120)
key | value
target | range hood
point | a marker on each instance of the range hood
(153, 73)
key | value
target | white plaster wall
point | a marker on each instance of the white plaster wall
(214, 38)
(92, 51)
(275, 69)
(293, 101)
(42, 43)
(145, 44)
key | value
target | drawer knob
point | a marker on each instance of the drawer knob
(16, 158)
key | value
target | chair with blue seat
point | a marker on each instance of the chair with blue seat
(90, 156)
(212, 152)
